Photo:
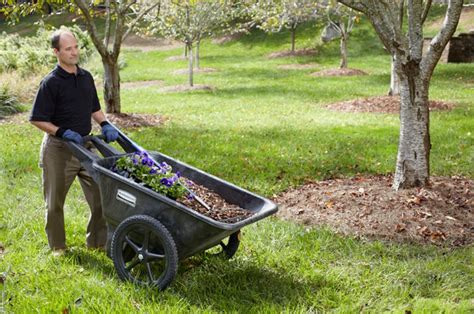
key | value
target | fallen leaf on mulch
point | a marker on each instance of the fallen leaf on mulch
(442, 214)
(381, 104)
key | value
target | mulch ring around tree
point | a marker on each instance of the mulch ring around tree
(200, 70)
(381, 104)
(227, 38)
(296, 53)
(17, 118)
(141, 43)
(133, 120)
(185, 88)
(298, 66)
(176, 58)
(141, 84)
(339, 72)
(368, 207)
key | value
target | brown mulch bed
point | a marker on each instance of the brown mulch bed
(176, 58)
(134, 41)
(140, 84)
(339, 72)
(220, 209)
(17, 118)
(185, 88)
(298, 66)
(296, 53)
(381, 104)
(122, 120)
(368, 207)
(134, 120)
(227, 38)
(200, 70)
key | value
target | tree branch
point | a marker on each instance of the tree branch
(90, 24)
(415, 32)
(426, 10)
(107, 24)
(355, 4)
(438, 43)
(139, 17)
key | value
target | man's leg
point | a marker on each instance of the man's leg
(96, 236)
(58, 176)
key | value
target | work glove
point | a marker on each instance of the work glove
(109, 132)
(72, 136)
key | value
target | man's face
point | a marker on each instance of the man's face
(68, 52)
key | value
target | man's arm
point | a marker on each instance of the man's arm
(99, 116)
(45, 126)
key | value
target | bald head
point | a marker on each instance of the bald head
(57, 35)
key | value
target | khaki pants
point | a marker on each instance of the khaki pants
(60, 168)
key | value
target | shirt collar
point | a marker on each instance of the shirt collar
(66, 74)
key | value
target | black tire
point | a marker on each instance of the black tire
(229, 249)
(141, 247)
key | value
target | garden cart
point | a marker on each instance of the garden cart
(149, 233)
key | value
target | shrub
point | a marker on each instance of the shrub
(33, 54)
(8, 103)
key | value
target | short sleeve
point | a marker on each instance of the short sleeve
(44, 103)
(95, 98)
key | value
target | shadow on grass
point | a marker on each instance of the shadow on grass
(223, 287)
(93, 260)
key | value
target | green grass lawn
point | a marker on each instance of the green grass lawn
(264, 129)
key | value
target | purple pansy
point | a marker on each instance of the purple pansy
(166, 182)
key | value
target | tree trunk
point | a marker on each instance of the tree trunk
(414, 146)
(197, 54)
(190, 50)
(394, 81)
(343, 46)
(111, 85)
(185, 51)
(293, 39)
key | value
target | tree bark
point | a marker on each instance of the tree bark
(185, 54)
(293, 39)
(412, 168)
(343, 47)
(111, 85)
(414, 71)
(394, 81)
(190, 50)
(197, 53)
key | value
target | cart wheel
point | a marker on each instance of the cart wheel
(232, 245)
(143, 247)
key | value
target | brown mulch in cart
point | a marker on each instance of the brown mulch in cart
(381, 104)
(220, 209)
(368, 207)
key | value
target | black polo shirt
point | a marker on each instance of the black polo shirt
(66, 100)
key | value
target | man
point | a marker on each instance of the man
(63, 107)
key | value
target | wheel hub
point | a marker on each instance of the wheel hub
(140, 257)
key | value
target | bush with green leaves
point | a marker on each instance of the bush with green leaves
(32, 54)
(8, 103)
